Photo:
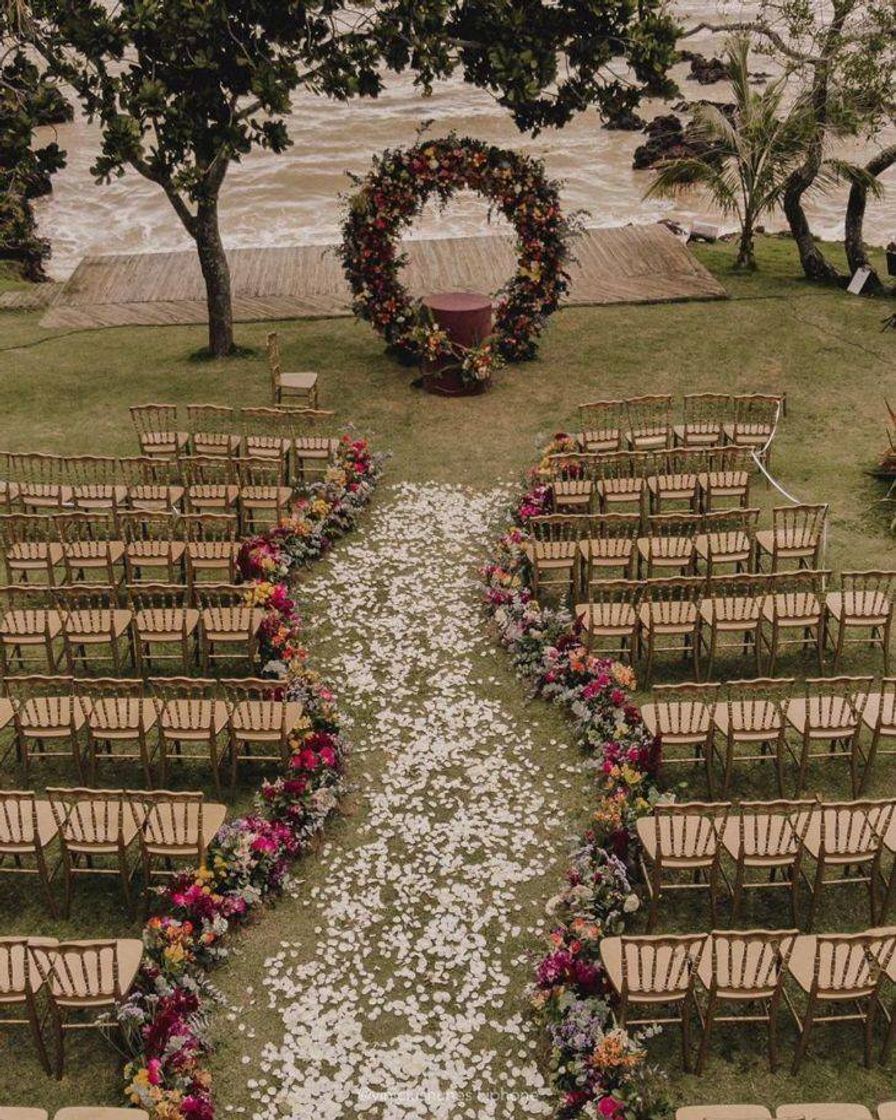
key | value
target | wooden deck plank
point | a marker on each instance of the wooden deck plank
(627, 264)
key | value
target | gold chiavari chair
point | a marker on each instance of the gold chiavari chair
(826, 717)
(682, 715)
(864, 603)
(603, 423)
(158, 430)
(704, 416)
(751, 724)
(301, 386)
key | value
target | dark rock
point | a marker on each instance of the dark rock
(625, 121)
(705, 70)
(668, 139)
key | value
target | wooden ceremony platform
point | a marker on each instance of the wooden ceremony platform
(630, 264)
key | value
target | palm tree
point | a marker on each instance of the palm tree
(749, 157)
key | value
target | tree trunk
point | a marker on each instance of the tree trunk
(216, 273)
(746, 255)
(855, 218)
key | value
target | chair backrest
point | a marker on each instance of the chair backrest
(273, 347)
(24, 686)
(172, 818)
(835, 703)
(149, 418)
(38, 468)
(750, 961)
(736, 597)
(238, 689)
(774, 829)
(689, 830)
(754, 410)
(757, 704)
(80, 527)
(266, 421)
(93, 470)
(214, 595)
(212, 418)
(108, 702)
(27, 597)
(705, 413)
(208, 526)
(86, 597)
(685, 461)
(665, 525)
(208, 470)
(729, 522)
(680, 590)
(615, 526)
(175, 700)
(868, 594)
(260, 471)
(78, 970)
(623, 591)
(18, 818)
(146, 525)
(855, 828)
(798, 526)
(650, 415)
(662, 965)
(845, 962)
(685, 709)
(603, 417)
(26, 528)
(560, 526)
(792, 593)
(15, 967)
(158, 596)
(84, 815)
(569, 466)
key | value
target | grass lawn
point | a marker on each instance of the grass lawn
(70, 392)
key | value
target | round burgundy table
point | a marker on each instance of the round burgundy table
(466, 317)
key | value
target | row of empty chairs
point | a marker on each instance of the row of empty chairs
(745, 976)
(748, 724)
(72, 985)
(757, 616)
(100, 723)
(650, 481)
(88, 625)
(96, 832)
(705, 420)
(818, 1110)
(683, 846)
(568, 551)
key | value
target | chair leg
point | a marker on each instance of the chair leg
(870, 1016)
(890, 1037)
(58, 1037)
(708, 1021)
(803, 1044)
(817, 888)
(686, 1034)
(773, 1034)
(36, 1034)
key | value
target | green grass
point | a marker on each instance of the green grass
(69, 392)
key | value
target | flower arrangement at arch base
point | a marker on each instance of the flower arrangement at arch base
(165, 1018)
(600, 1070)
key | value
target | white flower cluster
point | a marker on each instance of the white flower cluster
(410, 1001)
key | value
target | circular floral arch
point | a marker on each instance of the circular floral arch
(393, 194)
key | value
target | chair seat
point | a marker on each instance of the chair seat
(129, 952)
(213, 495)
(17, 968)
(728, 484)
(673, 485)
(679, 721)
(666, 551)
(49, 717)
(20, 627)
(315, 447)
(153, 553)
(6, 712)
(734, 614)
(723, 1112)
(858, 608)
(305, 379)
(883, 708)
(769, 839)
(121, 717)
(93, 554)
(609, 551)
(189, 718)
(266, 447)
(98, 830)
(792, 608)
(620, 489)
(647, 439)
(256, 718)
(92, 1113)
(216, 443)
(231, 624)
(23, 1113)
(163, 443)
(44, 495)
(854, 842)
(662, 962)
(96, 626)
(824, 1111)
(93, 496)
(607, 619)
(828, 717)
(705, 434)
(599, 439)
(174, 830)
(668, 618)
(789, 544)
(747, 435)
(746, 958)
(572, 491)
(554, 554)
(166, 624)
(265, 496)
(212, 552)
(679, 834)
(22, 840)
(801, 967)
(151, 497)
(34, 554)
(749, 720)
(725, 547)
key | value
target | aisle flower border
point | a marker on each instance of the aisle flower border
(393, 194)
(165, 1017)
(600, 1070)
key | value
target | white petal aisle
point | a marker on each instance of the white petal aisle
(410, 1000)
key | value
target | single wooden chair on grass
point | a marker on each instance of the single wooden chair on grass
(611, 616)
(573, 480)
(261, 721)
(608, 551)
(229, 625)
(862, 607)
(682, 715)
(121, 726)
(744, 968)
(796, 535)
(669, 618)
(847, 838)
(704, 416)
(652, 973)
(158, 430)
(755, 418)
(48, 720)
(603, 423)
(751, 726)
(97, 484)
(298, 386)
(166, 626)
(267, 434)
(839, 976)
(41, 483)
(87, 979)
(153, 484)
(263, 499)
(20, 988)
(213, 430)
(192, 720)
(30, 629)
(826, 717)
(27, 830)
(97, 829)
(765, 838)
(95, 629)
(311, 451)
(620, 484)
(649, 422)
(175, 833)
(683, 839)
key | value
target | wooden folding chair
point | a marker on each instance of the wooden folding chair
(682, 839)
(609, 549)
(794, 604)
(669, 609)
(835, 970)
(796, 535)
(573, 480)
(267, 434)
(27, 829)
(153, 551)
(153, 484)
(263, 498)
(649, 422)
(602, 425)
(621, 479)
(879, 717)
(751, 726)
(89, 977)
(92, 547)
(727, 478)
(648, 972)
(211, 483)
(192, 718)
(677, 482)
(301, 386)
(212, 546)
(96, 483)
(163, 617)
(755, 418)
(157, 429)
(48, 720)
(703, 419)
(682, 715)
(744, 967)
(20, 987)
(176, 831)
(261, 721)
(30, 545)
(553, 551)
(95, 826)
(226, 621)
(121, 725)
(766, 838)
(42, 486)
(95, 629)
(847, 837)
(213, 430)
(611, 614)
(827, 719)
(669, 545)
(311, 453)
(864, 603)
(731, 617)
(728, 536)
(30, 623)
